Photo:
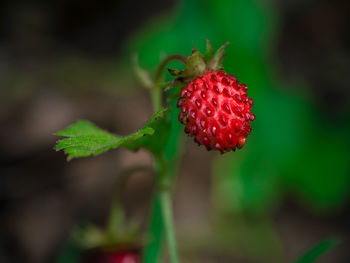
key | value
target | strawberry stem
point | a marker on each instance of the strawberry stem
(161, 220)
(156, 92)
(165, 62)
(169, 225)
(156, 95)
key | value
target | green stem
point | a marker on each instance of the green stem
(156, 95)
(165, 62)
(161, 217)
(156, 92)
(164, 195)
(166, 206)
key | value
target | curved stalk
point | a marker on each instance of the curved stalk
(156, 92)
(165, 62)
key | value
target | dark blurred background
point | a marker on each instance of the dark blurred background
(286, 190)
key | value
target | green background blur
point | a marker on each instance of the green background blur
(287, 189)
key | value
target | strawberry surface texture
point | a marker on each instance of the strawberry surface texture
(216, 111)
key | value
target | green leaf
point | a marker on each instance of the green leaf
(318, 250)
(85, 138)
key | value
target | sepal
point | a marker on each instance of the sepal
(216, 61)
(175, 72)
(209, 53)
(195, 65)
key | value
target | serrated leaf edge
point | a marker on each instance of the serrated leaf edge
(119, 140)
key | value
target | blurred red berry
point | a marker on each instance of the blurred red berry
(112, 257)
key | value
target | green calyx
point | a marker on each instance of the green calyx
(198, 64)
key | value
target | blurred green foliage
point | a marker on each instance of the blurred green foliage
(317, 251)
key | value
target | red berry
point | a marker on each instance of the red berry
(216, 110)
(112, 257)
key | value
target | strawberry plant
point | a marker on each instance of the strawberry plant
(215, 108)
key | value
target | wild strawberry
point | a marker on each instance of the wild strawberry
(216, 110)
(214, 106)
